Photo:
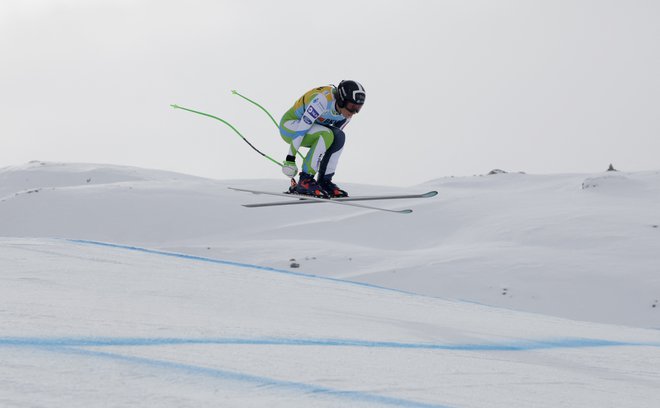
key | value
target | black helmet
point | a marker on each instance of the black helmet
(350, 92)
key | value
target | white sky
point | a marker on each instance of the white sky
(455, 87)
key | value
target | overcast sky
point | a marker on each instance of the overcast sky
(455, 87)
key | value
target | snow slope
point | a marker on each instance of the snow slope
(130, 287)
(87, 324)
(576, 246)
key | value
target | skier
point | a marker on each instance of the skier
(316, 121)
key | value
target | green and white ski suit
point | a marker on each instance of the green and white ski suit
(314, 122)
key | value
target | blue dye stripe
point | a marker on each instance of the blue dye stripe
(520, 345)
(309, 390)
(241, 265)
(68, 346)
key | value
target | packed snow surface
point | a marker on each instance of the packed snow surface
(131, 287)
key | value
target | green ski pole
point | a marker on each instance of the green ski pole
(269, 115)
(259, 106)
(233, 128)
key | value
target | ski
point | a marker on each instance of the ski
(324, 200)
(343, 199)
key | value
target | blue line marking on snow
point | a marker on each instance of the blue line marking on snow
(266, 381)
(71, 345)
(240, 265)
(312, 390)
(182, 256)
(520, 345)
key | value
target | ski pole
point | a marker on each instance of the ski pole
(233, 128)
(269, 115)
(259, 106)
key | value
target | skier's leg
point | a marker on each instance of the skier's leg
(329, 165)
(317, 139)
(331, 158)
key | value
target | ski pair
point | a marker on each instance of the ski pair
(347, 201)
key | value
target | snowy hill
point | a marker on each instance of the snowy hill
(96, 325)
(577, 246)
(132, 287)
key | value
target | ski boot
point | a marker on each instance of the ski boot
(331, 189)
(307, 186)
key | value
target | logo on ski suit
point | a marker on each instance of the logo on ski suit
(313, 112)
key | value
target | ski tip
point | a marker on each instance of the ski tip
(406, 211)
(174, 106)
(430, 194)
(244, 191)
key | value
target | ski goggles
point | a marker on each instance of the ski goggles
(353, 107)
